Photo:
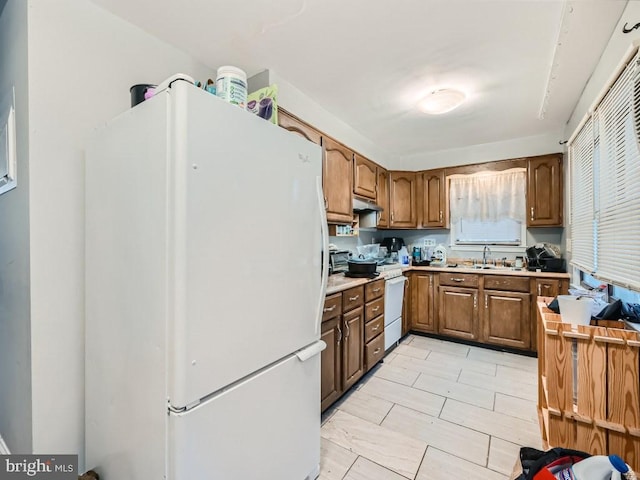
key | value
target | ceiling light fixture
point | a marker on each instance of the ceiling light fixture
(442, 101)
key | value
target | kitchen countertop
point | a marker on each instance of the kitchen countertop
(338, 282)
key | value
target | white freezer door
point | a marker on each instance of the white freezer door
(245, 283)
(265, 428)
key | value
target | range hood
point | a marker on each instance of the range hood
(361, 205)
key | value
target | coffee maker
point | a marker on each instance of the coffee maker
(393, 245)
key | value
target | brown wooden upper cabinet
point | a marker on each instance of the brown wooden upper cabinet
(382, 197)
(402, 200)
(434, 199)
(364, 177)
(544, 195)
(337, 181)
(295, 125)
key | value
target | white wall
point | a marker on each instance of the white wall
(82, 61)
(611, 57)
(15, 348)
(488, 152)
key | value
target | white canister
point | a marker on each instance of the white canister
(231, 85)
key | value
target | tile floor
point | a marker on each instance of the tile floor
(434, 410)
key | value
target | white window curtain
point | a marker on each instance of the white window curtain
(488, 196)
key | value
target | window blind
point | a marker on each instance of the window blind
(618, 180)
(581, 153)
(605, 180)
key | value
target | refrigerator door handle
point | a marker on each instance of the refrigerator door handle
(311, 351)
(325, 251)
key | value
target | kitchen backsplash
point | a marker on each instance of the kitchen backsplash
(417, 237)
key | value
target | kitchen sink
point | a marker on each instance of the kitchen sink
(491, 267)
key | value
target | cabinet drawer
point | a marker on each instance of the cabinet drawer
(459, 279)
(506, 282)
(332, 306)
(547, 287)
(352, 298)
(374, 309)
(373, 328)
(374, 351)
(373, 290)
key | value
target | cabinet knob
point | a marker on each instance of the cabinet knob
(486, 300)
(353, 299)
(392, 217)
(532, 217)
(375, 329)
(346, 325)
(329, 309)
(475, 301)
(440, 216)
(376, 290)
(375, 309)
(457, 279)
(376, 350)
(339, 335)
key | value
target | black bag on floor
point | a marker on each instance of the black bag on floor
(533, 460)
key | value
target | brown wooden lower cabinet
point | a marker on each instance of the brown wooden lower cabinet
(421, 291)
(491, 309)
(506, 319)
(458, 312)
(352, 347)
(331, 362)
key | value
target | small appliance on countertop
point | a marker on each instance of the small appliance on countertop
(439, 256)
(393, 246)
(545, 258)
(339, 261)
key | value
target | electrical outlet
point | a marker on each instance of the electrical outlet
(429, 242)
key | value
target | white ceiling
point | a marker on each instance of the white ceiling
(368, 62)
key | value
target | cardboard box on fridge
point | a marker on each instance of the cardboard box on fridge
(264, 103)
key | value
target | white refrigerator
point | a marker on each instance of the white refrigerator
(205, 281)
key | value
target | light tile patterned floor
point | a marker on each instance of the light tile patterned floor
(434, 410)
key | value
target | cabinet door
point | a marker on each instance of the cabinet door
(353, 347)
(337, 182)
(331, 362)
(545, 287)
(458, 308)
(382, 197)
(402, 200)
(293, 124)
(422, 311)
(364, 177)
(544, 191)
(506, 319)
(434, 199)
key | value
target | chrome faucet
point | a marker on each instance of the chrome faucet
(485, 250)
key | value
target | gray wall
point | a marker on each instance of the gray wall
(15, 338)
